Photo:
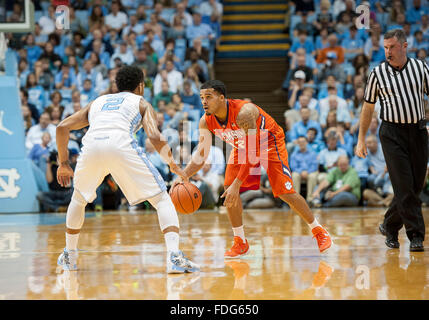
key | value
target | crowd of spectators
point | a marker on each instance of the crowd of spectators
(330, 58)
(62, 70)
(174, 43)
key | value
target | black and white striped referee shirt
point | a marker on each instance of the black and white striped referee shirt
(400, 91)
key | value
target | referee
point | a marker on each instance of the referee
(400, 83)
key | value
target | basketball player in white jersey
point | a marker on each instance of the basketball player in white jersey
(109, 148)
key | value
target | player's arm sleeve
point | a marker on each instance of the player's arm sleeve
(371, 89)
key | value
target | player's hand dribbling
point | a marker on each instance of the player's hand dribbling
(64, 174)
(181, 176)
(231, 195)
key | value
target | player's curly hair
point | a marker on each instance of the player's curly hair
(128, 78)
(216, 85)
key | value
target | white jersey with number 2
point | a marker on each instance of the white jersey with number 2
(109, 147)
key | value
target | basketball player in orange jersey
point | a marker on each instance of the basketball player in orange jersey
(239, 122)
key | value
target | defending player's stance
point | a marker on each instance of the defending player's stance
(250, 129)
(109, 148)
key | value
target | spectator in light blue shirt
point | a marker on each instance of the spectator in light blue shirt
(415, 13)
(418, 43)
(322, 39)
(345, 139)
(200, 66)
(304, 167)
(66, 78)
(199, 29)
(155, 42)
(97, 48)
(352, 44)
(33, 51)
(302, 42)
(87, 94)
(36, 93)
(39, 154)
(328, 157)
(334, 103)
(39, 38)
(374, 49)
(88, 72)
(315, 144)
(23, 72)
(190, 97)
(300, 128)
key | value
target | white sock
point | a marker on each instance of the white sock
(71, 241)
(239, 232)
(314, 224)
(172, 241)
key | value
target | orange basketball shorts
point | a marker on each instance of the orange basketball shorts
(274, 159)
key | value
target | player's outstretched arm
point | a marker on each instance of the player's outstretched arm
(203, 149)
(76, 121)
(158, 141)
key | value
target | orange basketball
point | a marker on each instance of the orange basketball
(186, 197)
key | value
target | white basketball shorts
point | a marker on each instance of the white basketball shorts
(120, 156)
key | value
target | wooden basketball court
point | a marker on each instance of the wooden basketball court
(123, 257)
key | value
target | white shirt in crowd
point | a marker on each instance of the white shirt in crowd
(117, 21)
(174, 78)
(47, 24)
(34, 136)
(206, 8)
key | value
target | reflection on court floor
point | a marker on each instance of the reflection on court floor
(123, 257)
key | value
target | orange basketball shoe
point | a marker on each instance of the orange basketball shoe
(240, 268)
(238, 249)
(323, 238)
(322, 275)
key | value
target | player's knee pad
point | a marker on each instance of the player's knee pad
(167, 214)
(76, 211)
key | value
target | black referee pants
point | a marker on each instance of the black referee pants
(405, 148)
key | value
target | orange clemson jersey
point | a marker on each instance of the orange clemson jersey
(273, 155)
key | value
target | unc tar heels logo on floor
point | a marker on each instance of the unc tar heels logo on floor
(9, 189)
